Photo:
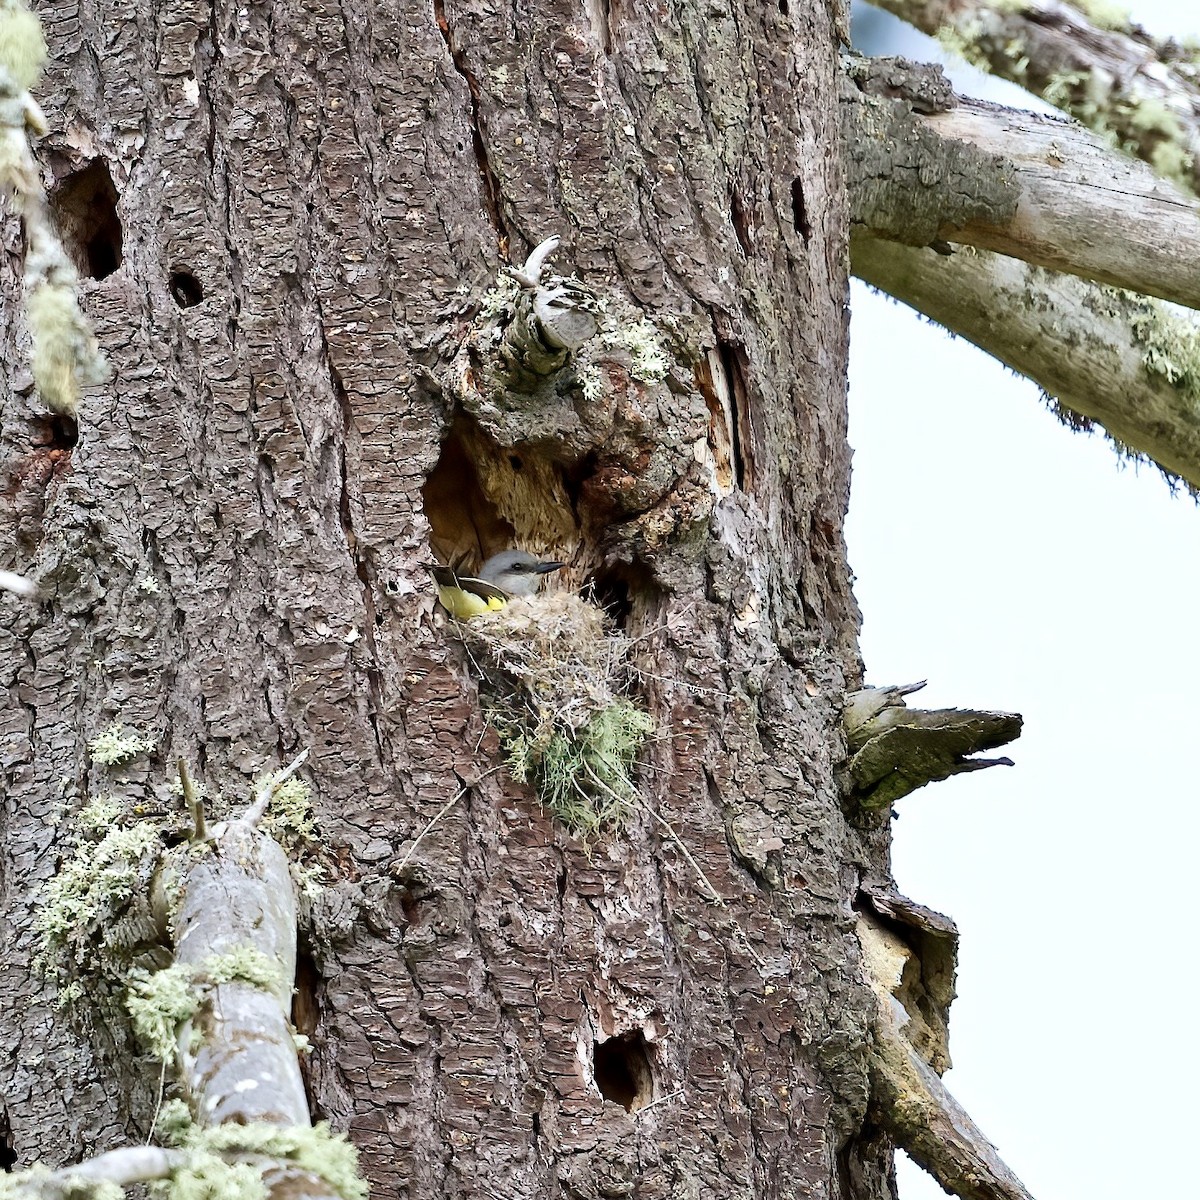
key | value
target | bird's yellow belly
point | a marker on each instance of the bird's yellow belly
(464, 605)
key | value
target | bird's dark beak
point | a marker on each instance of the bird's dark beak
(546, 567)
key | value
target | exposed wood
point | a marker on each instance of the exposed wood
(1110, 74)
(1126, 362)
(921, 172)
(909, 1100)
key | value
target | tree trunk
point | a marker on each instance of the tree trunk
(290, 216)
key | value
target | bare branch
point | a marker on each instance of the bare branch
(1042, 189)
(908, 1099)
(1141, 93)
(195, 804)
(1124, 361)
(129, 1165)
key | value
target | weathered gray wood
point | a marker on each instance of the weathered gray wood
(1109, 73)
(909, 1100)
(935, 167)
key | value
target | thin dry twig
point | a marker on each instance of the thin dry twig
(441, 812)
(266, 793)
(195, 805)
(661, 1100)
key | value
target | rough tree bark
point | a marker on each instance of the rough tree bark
(290, 216)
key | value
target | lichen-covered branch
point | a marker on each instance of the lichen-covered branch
(218, 1015)
(1087, 58)
(114, 1169)
(925, 166)
(1125, 362)
(66, 357)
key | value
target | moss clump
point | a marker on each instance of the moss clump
(553, 677)
(584, 776)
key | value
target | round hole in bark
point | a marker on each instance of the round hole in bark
(621, 1068)
(56, 432)
(185, 288)
(85, 204)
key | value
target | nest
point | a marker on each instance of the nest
(554, 677)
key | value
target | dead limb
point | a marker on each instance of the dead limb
(908, 1099)
(1140, 92)
(925, 165)
(1123, 361)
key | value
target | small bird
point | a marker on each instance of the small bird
(505, 575)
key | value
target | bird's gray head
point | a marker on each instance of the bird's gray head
(516, 571)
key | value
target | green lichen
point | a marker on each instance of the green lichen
(207, 1177)
(1104, 14)
(289, 818)
(500, 299)
(650, 362)
(246, 964)
(213, 1172)
(158, 1003)
(65, 354)
(591, 382)
(963, 41)
(79, 903)
(1170, 347)
(115, 745)
(99, 815)
(22, 46)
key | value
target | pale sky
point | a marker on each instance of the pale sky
(1019, 566)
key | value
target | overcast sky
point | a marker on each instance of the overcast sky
(1019, 566)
